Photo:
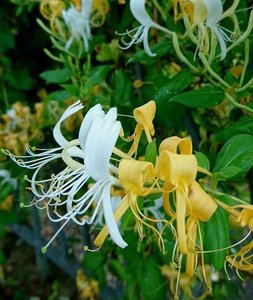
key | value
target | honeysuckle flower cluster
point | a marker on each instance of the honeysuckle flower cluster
(19, 126)
(92, 170)
(202, 20)
(79, 17)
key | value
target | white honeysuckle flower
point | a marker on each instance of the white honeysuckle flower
(97, 140)
(78, 23)
(97, 159)
(6, 175)
(214, 16)
(98, 135)
(140, 34)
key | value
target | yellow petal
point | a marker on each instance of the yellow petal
(199, 12)
(176, 168)
(247, 217)
(133, 174)
(202, 205)
(144, 115)
(175, 143)
(180, 213)
(190, 263)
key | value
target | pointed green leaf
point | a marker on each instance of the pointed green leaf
(201, 98)
(216, 237)
(237, 152)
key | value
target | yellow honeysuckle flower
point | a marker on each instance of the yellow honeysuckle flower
(245, 217)
(182, 6)
(99, 10)
(175, 143)
(144, 116)
(202, 206)
(51, 9)
(243, 259)
(177, 171)
(133, 175)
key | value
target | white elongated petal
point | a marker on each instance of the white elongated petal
(222, 43)
(98, 150)
(214, 11)
(146, 44)
(58, 136)
(109, 218)
(94, 113)
(138, 10)
(86, 8)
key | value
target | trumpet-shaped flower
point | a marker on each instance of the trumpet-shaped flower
(78, 23)
(144, 116)
(51, 9)
(208, 14)
(214, 16)
(133, 175)
(64, 186)
(140, 34)
(99, 10)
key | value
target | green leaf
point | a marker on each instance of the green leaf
(229, 172)
(58, 96)
(97, 75)
(71, 89)
(20, 80)
(174, 85)
(160, 49)
(123, 88)
(150, 279)
(237, 152)
(151, 152)
(201, 98)
(168, 113)
(56, 76)
(243, 125)
(7, 40)
(202, 160)
(216, 236)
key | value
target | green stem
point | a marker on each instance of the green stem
(181, 55)
(222, 194)
(246, 86)
(53, 57)
(241, 106)
(246, 62)
(245, 35)
(212, 73)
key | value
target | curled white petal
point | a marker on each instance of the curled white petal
(140, 34)
(58, 136)
(93, 113)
